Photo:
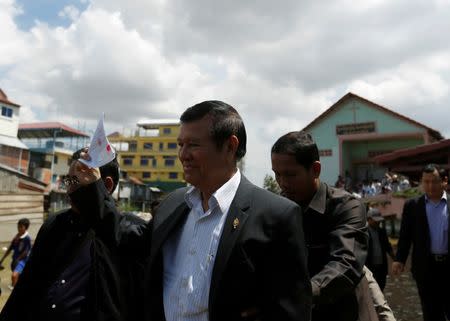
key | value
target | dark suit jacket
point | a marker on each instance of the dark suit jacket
(260, 271)
(414, 231)
(386, 248)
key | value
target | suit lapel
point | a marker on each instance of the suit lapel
(236, 217)
(164, 228)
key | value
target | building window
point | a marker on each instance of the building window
(7, 112)
(167, 131)
(172, 145)
(127, 161)
(154, 162)
(173, 175)
(132, 146)
(169, 162)
(326, 153)
(145, 160)
(148, 145)
(146, 174)
(55, 159)
(161, 146)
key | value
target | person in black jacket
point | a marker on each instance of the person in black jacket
(334, 223)
(75, 273)
(425, 227)
(221, 249)
(379, 248)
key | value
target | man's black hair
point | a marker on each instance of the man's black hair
(300, 145)
(24, 222)
(430, 168)
(226, 122)
(111, 169)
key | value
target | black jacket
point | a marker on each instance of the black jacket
(336, 237)
(260, 271)
(114, 290)
(386, 248)
(415, 232)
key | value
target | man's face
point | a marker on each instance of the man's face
(433, 185)
(203, 163)
(296, 182)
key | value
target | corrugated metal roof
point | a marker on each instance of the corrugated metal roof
(12, 141)
(155, 123)
(47, 129)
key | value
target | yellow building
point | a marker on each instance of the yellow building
(151, 154)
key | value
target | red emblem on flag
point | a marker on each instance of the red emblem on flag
(108, 148)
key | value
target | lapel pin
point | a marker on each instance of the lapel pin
(235, 223)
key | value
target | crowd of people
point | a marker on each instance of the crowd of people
(224, 249)
(390, 183)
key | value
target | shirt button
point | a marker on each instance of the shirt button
(53, 306)
(79, 234)
(63, 281)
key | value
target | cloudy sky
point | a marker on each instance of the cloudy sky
(280, 63)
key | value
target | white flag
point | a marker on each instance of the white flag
(100, 150)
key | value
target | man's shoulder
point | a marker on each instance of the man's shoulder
(339, 196)
(257, 197)
(415, 200)
(56, 219)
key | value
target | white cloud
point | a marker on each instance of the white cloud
(279, 65)
(70, 12)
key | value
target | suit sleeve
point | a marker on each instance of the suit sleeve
(113, 228)
(289, 293)
(348, 251)
(405, 239)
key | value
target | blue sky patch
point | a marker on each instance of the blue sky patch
(45, 11)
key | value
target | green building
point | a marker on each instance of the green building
(354, 130)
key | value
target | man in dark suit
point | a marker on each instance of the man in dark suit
(335, 228)
(379, 247)
(222, 249)
(425, 227)
(225, 249)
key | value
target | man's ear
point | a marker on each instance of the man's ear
(109, 184)
(233, 144)
(316, 167)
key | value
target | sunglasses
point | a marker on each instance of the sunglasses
(71, 180)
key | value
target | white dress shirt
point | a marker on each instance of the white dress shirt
(189, 254)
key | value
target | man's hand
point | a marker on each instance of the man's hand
(81, 174)
(397, 268)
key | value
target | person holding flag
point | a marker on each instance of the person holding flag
(74, 272)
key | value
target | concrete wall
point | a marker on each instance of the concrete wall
(9, 126)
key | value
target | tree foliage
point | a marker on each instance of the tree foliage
(271, 184)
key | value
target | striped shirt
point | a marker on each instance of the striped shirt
(189, 254)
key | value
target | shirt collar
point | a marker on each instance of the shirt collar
(221, 197)
(24, 235)
(443, 197)
(318, 202)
